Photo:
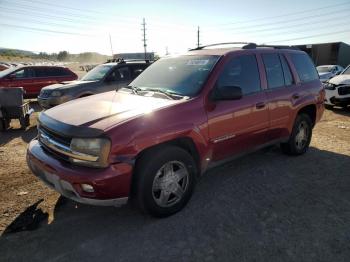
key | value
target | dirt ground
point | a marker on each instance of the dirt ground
(319, 181)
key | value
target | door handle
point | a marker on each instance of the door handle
(295, 96)
(260, 105)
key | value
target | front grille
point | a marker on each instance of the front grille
(53, 135)
(344, 90)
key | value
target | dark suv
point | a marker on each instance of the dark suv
(103, 78)
(151, 141)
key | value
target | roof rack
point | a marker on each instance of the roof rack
(254, 46)
(248, 46)
(123, 61)
(227, 43)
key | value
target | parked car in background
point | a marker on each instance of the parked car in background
(151, 140)
(326, 72)
(338, 90)
(34, 78)
(3, 67)
(103, 78)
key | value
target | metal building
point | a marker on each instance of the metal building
(328, 53)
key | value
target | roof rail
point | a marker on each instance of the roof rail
(248, 46)
(227, 43)
(254, 46)
(123, 61)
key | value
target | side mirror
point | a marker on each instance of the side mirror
(227, 93)
(338, 73)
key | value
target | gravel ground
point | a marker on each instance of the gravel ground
(262, 207)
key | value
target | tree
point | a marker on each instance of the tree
(62, 56)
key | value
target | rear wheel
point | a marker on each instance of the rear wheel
(329, 107)
(300, 138)
(165, 178)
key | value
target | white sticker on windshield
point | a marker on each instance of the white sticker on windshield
(197, 62)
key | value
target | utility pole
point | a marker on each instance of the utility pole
(144, 37)
(198, 37)
(110, 41)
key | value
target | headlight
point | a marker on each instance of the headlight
(90, 151)
(56, 93)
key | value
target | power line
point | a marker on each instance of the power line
(44, 30)
(319, 16)
(311, 36)
(284, 15)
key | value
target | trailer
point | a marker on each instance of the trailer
(12, 106)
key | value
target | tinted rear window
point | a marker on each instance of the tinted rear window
(288, 78)
(305, 67)
(274, 70)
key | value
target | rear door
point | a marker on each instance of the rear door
(43, 77)
(239, 125)
(281, 93)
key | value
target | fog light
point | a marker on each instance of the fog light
(87, 188)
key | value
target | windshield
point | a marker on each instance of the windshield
(8, 71)
(324, 69)
(97, 73)
(183, 75)
(346, 71)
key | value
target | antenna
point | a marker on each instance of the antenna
(144, 37)
(198, 44)
(110, 41)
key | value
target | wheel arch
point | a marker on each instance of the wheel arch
(309, 110)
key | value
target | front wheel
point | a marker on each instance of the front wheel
(300, 138)
(165, 179)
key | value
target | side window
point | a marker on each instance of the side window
(41, 72)
(124, 73)
(120, 74)
(20, 74)
(24, 73)
(305, 67)
(274, 72)
(242, 72)
(61, 72)
(137, 69)
(288, 78)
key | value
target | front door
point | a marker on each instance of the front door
(239, 125)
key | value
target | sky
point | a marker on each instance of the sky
(87, 26)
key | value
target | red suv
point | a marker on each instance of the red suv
(151, 141)
(33, 78)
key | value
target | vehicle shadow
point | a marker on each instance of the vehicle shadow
(262, 207)
(15, 131)
(26, 135)
(344, 111)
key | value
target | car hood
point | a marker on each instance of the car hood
(325, 75)
(340, 80)
(105, 110)
(68, 85)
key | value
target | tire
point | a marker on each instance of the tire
(329, 107)
(24, 122)
(299, 140)
(159, 191)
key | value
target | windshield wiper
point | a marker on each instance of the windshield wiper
(167, 93)
(134, 89)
